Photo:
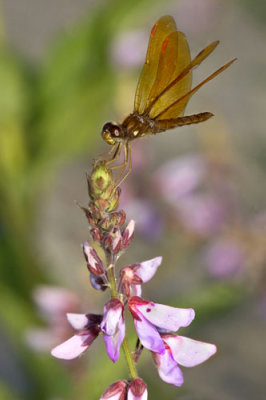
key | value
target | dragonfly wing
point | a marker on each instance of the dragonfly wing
(182, 101)
(161, 30)
(180, 87)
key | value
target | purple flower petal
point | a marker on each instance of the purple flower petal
(114, 342)
(73, 347)
(135, 290)
(168, 369)
(77, 321)
(113, 313)
(149, 336)
(189, 352)
(166, 317)
(147, 269)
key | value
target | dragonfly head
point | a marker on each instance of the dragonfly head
(111, 133)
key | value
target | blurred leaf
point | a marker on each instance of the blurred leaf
(5, 393)
(213, 300)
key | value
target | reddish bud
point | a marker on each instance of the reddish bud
(118, 218)
(96, 234)
(113, 241)
(129, 277)
(137, 390)
(128, 234)
(117, 391)
(94, 262)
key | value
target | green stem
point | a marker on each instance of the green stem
(125, 346)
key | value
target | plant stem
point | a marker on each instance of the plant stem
(126, 350)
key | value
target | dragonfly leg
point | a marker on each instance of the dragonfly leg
(123, 165)
(104, 155)
(115, 155)
(128, 160)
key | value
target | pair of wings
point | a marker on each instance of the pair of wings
(164, 87)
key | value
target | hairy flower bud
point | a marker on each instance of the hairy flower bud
(116, 391)
(94, 262)
(137, 390)
(128, 234)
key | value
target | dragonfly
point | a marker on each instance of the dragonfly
(162, 93)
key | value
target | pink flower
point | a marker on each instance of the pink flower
(134, 275)
(149, 316)
(89, 327)
(52, 303)
(180, 350)
(122, 390)
(113, 326)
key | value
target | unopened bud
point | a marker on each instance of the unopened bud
(96, 234)
(94, 262)
(97, 282)
(137, 390)
(101, 182)
(128, 234)
(117, 391)
(118, 218)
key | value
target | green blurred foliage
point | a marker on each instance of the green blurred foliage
(48, 113)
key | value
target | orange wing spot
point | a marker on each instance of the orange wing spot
(164, 45)
(154, 29)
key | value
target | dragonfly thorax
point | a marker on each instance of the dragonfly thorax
(112, 133)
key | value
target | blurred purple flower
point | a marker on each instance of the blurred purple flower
(224, 258)
(148, 220)
(203, 214)
(52, 303)
(180, 350)
(180, 177)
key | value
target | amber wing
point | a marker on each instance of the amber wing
(164, 86)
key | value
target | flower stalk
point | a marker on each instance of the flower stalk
(154, 323)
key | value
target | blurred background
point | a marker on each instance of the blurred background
(197, 194)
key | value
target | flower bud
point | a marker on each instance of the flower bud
(137, 390)
(128, 234)
(117, 391)
(100, 182)
(96, 234)
(97, 282)
(94, 262)
(113, 241)
(118, 218)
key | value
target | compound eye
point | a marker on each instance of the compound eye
(107, 134)
(111, 132)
